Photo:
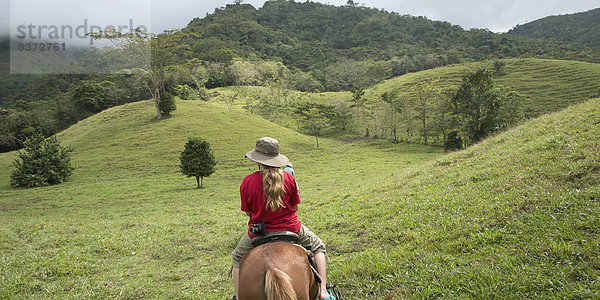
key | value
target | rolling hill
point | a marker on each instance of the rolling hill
(548, 85)
(514, 216)
(128, 224)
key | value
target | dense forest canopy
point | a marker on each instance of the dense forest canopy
(312, 35)
(582, 28)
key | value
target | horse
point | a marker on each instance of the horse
(277, 271)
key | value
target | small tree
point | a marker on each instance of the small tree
(498, 66)
(43, 162)
(484, 108)
(150, 53)
(442, 109)
(453, 142)
(197, 160)
(315, 117)
(186, 92)
(476, 104)
(167, 104)
(425, 95)
(359, 102)
(396, 106)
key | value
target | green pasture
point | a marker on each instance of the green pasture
(515, 216)
(127, 224)
(549, 85)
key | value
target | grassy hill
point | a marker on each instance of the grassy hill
(128, 225)
(514, 216)
(549, 85)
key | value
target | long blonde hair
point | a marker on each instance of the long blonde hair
(272, 179)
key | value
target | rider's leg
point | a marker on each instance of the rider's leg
(322, 268)
(236, 280)
(311, 241)
(242, 248)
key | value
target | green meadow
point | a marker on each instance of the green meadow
(515, 216)
(127, 224)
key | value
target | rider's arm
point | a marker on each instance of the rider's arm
(295, 206)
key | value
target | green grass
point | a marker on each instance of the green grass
(515, 216)
(549, 85)
(127, 224)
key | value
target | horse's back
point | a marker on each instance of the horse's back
(270, 261)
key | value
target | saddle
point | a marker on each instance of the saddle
(290, 237)
(275, 236)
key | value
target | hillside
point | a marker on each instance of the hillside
(127, 224)
(313, 36)
(582, 28)
(548, 85)
(514, 216)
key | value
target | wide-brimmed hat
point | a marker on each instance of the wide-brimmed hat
(266, 152)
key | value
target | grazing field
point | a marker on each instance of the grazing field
(127, 224)
(515, 216)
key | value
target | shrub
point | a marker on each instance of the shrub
(453, 142)
(167, 104)
(43, 162)
(197, 160)
(186, 92)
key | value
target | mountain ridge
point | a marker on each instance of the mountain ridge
(581, 28)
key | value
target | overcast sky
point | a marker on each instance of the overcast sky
(495, 15)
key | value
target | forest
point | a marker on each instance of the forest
(581, 28)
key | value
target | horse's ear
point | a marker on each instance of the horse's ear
(389, 297)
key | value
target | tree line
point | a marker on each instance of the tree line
(426, 113)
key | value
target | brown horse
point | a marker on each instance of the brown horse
(276, 271)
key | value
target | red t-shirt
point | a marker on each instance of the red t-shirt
(253, 200)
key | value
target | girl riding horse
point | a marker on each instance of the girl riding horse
(270, 195)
